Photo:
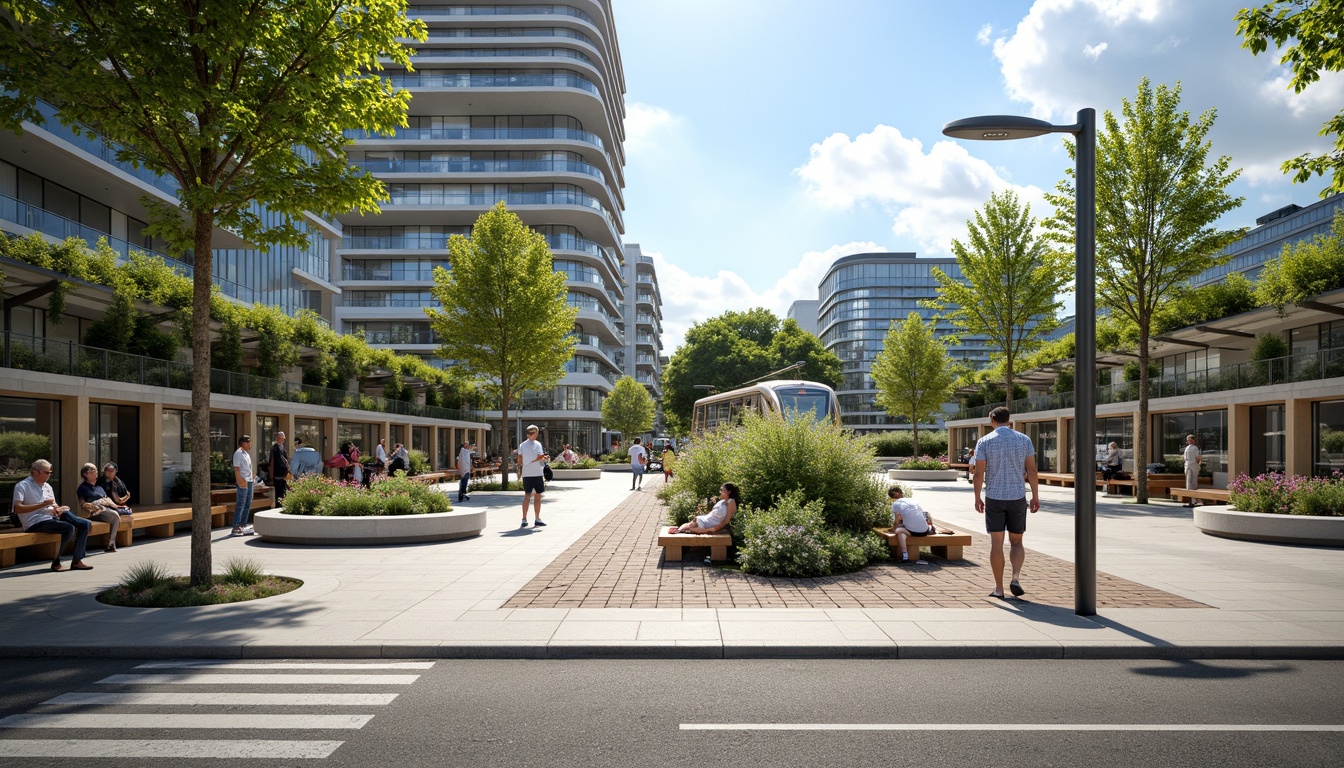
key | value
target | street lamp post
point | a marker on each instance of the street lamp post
(1007, 127)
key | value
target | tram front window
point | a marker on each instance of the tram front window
(803, 400)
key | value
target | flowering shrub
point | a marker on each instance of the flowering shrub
(1288, 494)
(924, 462)
(585, 462)
(793, 540)
(320, 495)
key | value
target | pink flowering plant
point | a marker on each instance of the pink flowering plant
(320, 495)
(1288, 494)
(924, 462)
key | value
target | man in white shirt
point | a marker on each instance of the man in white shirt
(244, 482)
(464, 470)
(35, 504)
(380, 453)
(907, 519)
(1193, 458)
(531, 458)
(639, 458)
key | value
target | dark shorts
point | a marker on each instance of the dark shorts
(534, 485)
(1010, 515)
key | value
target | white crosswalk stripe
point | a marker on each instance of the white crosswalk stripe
(224, 698)
(298, 676)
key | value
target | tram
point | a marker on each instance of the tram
(783, 397)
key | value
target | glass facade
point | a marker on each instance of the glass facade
(1327, 438)
(30, 429)
(114, 435)
(1045, 436)
(1267, 438)
(1118, 430)
(1249, 253)
(1210, 431)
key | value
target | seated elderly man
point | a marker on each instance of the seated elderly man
(35, 504)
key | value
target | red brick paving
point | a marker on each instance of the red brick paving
(618, 564)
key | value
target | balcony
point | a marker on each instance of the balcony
(464, 80)
(480, 134)
(450, 11)
(401, 337)
(503, 53)
(1312, 366)
(480, 166)
(406, 273)
(64, 358)
(102, 150)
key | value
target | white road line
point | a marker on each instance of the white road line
(313, 750)
(222, 698)
(229, 721)
(1239, 727)
(284, 665)
(258, 679)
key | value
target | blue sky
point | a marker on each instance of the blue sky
(766, 138)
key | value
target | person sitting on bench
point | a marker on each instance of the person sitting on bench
(98, 505)
(35, 504)
(1111, 468)
(907, 519)
(717, 519)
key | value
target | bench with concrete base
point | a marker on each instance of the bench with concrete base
(156, 524)
(672, 543)
(1205, 495)
(1062, 479)
(1156, 486)
(945, 545)
(433, 478)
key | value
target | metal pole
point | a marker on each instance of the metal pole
(1085, 373)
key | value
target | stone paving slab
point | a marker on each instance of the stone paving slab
(618, 564)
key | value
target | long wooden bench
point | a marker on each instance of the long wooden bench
(1205, 495)
(1158, 485)
(431, 477)
(672, 543)
(1063, 479)
(155, 523)
(948, 546)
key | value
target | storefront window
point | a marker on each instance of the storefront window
(1121, 432)
(1328, 440)
(176, 457)
(1267, 439)
(29, 430)
(313, 434)
(364, 436)
(1210, 431)
(1045, 436)
(420, 439)
(114, 435)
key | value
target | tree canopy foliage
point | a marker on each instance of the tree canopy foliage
(629, 409)
(733, 348)
(1158, 200)
(1011, 281)
(912, 374)
(1304, 270)
(503, 317)
(1316, 28)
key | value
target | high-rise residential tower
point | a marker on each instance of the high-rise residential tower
(520, 103)
(643, 323)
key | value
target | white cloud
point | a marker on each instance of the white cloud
(647, 127)
(689, 299)
(1260, 122)
(930, 196)
(985, 35)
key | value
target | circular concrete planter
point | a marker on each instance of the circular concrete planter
(625, 467)
(577, 474)
(924, 474)
(274, 525)
(1258, 526)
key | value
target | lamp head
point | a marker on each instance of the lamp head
(997, 128)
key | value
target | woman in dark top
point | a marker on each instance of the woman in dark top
(98, 505)
(113, 486)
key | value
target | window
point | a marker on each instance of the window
(1327, 438)
(1267, 439)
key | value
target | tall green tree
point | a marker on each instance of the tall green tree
(629, 409)
(1304, 270)
(1317, 27)
(735, 347)
(242, 104)
(912, 373)
(504, 317)
(1012, 282)
(1158, 198)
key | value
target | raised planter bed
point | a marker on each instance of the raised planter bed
(622, 467)
(577, 474)
(274, 525)
(924, 474)
(1259, 526)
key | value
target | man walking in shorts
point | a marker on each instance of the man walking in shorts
(531, 459)
(1005, 459)
(639, 459)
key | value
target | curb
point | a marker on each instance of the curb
(1326, 651)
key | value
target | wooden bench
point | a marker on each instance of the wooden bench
(672, 543)
(1206, 495)
(948, 546)
(430, 478)
(230, 496)
(1063, 479)
(44, 545)
(1158, 485)
(162, 523)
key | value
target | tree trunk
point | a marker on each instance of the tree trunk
(1008, 382)
(504, 433)
(201, 566)
(914, 437)
(1141, 440)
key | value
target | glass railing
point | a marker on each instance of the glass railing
(431, 80)
(441, 34)
(591, 340)
(396, 242)
(1311, 366)
(556, 197)
(480, 134)
(572, 243)
(389, 301)
(29, 353)
(401, 337)
(480, 166)
(505, 53)
(400, 273)
(432, 11)
(102, 150)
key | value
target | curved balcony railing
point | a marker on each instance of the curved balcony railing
(401, 337)
(481, 134)
(480, 166)
(507, 53)
(431, 80)
(434, 11)
(64, 358)
(591, 340)
(102, 150)
(406, 272)
(572, 243)
(580, 273)
(400, 300)
(504, 33)
(398, 195)
(1311, 366)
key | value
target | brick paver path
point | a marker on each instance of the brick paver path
(618, 564)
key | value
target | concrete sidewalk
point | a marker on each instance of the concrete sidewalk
(446, 599)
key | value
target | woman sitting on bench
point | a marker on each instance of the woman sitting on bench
(1111, 468)
(907, 519)
(718, 517)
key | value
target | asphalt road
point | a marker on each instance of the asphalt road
(649, 713)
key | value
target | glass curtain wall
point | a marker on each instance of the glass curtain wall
(1045, 436)
(114, 435)
(1118, 430)
(29, 430)
(1210, 431)
(1328, 438)
(1267, 436)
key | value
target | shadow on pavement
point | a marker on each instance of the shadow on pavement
(1199, 670)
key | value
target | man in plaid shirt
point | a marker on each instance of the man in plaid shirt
(1005, 459)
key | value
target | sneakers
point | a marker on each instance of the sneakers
(538, 524)
(236, 531)
(524, 525)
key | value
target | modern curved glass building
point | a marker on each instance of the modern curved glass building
(859, 298)
(516, 102)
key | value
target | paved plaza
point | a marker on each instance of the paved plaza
(592, 584)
